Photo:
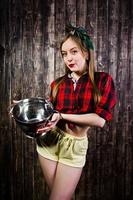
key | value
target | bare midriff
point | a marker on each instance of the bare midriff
(76, 130)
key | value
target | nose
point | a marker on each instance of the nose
(69, 57)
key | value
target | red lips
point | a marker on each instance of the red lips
(71, 65)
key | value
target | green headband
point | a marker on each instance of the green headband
(82, 34)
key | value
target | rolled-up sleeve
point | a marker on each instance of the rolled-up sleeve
(108, 99)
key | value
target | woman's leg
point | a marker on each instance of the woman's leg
(65, 182)
(48, 169)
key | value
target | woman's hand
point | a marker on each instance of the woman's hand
(14, 102)
(51, 124)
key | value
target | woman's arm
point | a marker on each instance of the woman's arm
(90, 119)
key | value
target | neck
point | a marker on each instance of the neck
(77, 75)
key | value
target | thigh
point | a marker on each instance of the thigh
(65, 182)
(49, 169)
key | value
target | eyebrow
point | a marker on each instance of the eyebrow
(70, 49)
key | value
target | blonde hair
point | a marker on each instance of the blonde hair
(91, 69)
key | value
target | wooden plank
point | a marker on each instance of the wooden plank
(70, 10)
(30, 32)
(81, 13)
(60, 17)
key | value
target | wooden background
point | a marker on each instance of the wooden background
(30, 32)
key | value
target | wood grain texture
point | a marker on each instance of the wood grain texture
(30, 35)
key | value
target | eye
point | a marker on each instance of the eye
(64, 54)
(74, 52)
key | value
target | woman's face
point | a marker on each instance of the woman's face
(74, 58)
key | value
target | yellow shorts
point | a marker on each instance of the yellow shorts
(70, 150)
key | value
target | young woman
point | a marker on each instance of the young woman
(83, 98)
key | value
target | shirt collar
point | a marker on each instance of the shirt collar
(83, 77)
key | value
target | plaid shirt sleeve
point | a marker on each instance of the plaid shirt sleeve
(108, 99)
(52, 85)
